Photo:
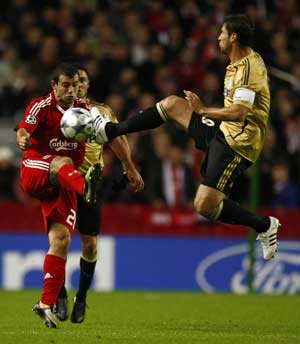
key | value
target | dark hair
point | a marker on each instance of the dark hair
(65, 68)
(242, 26)
(79, 65)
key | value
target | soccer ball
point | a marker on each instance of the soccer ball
(77, 124)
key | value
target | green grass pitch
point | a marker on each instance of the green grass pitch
(157, 317)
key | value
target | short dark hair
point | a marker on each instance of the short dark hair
(65, 68)
(80, 66)
(242, 26)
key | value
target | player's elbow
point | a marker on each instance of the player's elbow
(240, 117)
(239, 113)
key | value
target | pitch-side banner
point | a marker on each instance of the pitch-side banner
(209, 265)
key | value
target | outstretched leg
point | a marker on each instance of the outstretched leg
(171, 108)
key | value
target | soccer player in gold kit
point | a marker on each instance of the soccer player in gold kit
(88, 215)
(232, 136)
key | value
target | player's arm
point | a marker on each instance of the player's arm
(236, 112)
(121, 148)
(23, 139)
(28, 124)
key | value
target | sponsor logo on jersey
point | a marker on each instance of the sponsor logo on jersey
(58, 144)
(30, 119)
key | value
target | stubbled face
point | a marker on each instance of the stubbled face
(224, 41)
(66, 89)
(84, 84)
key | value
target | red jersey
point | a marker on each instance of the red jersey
(42, 120)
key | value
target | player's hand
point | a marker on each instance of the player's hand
(23, 140)
(194, 101)
(135, 179)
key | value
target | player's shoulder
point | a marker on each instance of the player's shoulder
(101, 106)
(39, 103)
(104, 109)
(250, 68)
(256, 60)
(250, 62)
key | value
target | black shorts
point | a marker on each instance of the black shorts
(88, 218)
(222, 165)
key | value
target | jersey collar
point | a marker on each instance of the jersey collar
(232, 65)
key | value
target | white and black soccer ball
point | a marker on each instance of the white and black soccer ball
(77, 124)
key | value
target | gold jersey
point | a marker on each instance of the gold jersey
(246, 83)
(93, 151)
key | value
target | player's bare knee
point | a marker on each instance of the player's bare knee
(89, 248)
(203, 208)
(170, 104)
(58, 162)
(60, 242)
(177, 109)
(64, 240)
(90, 252)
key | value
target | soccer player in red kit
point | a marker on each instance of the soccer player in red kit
(49, 173)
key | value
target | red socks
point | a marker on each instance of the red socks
(71, 179)
(54, 276)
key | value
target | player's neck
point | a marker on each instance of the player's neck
(238, 53)
(64, 106)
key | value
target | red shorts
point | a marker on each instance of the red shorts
(58, 204)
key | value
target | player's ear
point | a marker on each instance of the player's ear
(233, 37)
(53, 84)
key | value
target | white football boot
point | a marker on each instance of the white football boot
(99, 126)
(46, 314)
(268, 239)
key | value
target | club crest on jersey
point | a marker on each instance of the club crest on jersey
(226, 92)
(30, 119)
(58, 144)
(230, 83)
(228, 86)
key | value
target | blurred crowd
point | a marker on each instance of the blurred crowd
(140, 51)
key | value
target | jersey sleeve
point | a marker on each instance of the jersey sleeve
(244, 90)
(31, 117)
(244, 96)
